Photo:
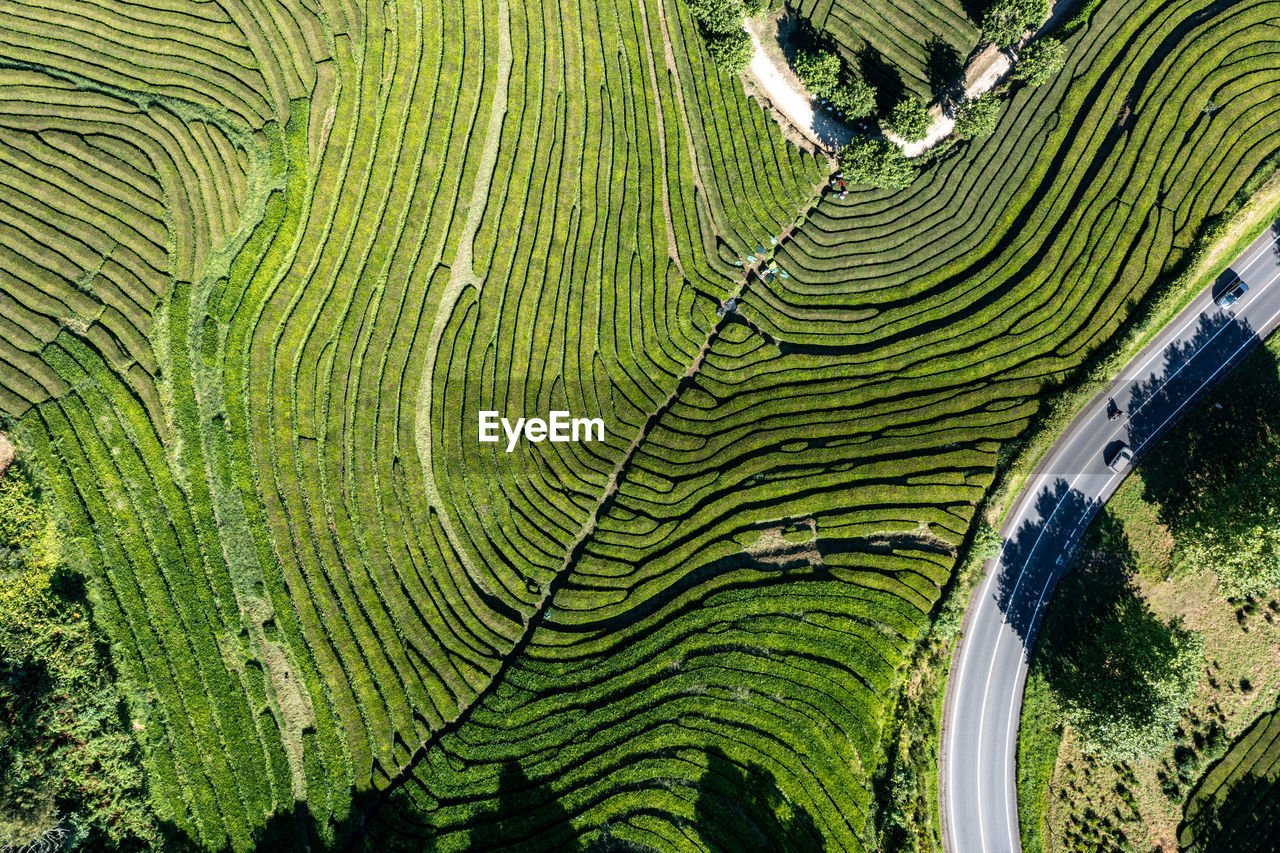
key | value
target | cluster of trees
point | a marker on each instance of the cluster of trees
(881, 164)
(722, 20)
(823, 74)
(70, 769)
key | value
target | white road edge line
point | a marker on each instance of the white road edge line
(999, 559)
(1106, 490)
(1195, 317)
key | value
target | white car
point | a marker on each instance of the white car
(1120, 457)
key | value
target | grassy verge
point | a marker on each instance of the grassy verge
(1039, 737)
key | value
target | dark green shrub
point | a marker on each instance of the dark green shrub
(876, 162)
(1039, 61)
(910, 119)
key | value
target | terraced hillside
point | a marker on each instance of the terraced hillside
(263, 262)
(269, 259)
(771, 556)
(905, 46)
(1234, 805)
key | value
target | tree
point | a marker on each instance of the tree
(70, 769)
(1122, 674)
(910, 119)
(730, 52)
(819, 71)
(1039, 61)
(1005, 21)
(876, 162)
(977, 117)
(855, 98)
(718, 17)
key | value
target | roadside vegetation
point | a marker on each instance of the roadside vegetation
(1076, 791)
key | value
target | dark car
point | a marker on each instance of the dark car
(1232, 294)
(1120, 457)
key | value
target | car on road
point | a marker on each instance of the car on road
(1231, 294)
(1120, 457)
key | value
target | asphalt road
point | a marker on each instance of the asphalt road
(984, 690)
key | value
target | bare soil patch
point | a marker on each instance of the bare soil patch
(6, 454)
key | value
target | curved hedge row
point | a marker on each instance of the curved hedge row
(779, 539)
(267, 260)
(1235, 804)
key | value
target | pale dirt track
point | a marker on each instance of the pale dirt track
(774, 80)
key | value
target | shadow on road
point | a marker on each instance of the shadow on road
(1041, 548)
(1030, 558)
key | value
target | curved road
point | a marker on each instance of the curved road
(984, 691)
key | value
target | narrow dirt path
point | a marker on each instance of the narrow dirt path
(461, 276)
(774, 79)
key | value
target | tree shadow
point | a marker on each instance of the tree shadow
(1223, 439)
(834, 134)
(974, 9)
(797, 33)
(1103, 646)
(883, 76)
(527, 816)
(1036, 555)
(1246, 820)
(944, 70)
(292, 830)
(741, 808)
(1108, 534)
